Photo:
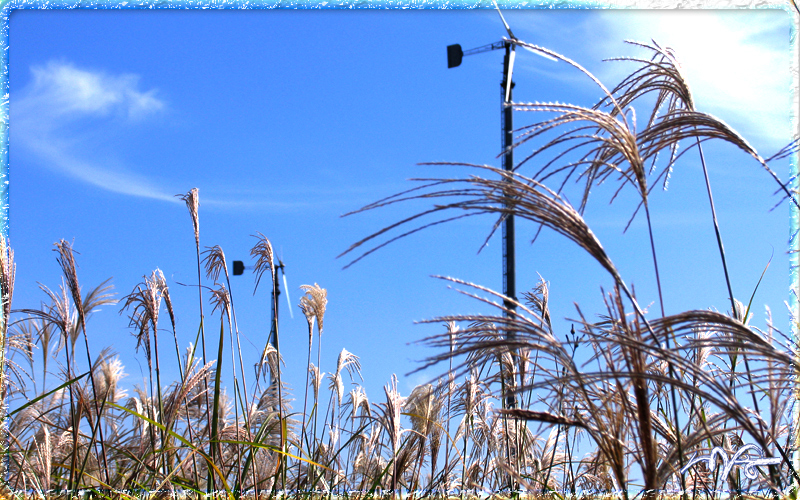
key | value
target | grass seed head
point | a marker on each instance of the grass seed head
(66, 259)
(192, 200)
(307, 306)
(316, 299)
(221, 299)
(265, 256)
(7, 272)
(215, 262)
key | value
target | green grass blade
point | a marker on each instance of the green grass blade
(180, 438)
(39, 398)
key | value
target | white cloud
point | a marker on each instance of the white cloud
(44, 114)
(62, 89)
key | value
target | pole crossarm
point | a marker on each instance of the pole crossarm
(486, 48)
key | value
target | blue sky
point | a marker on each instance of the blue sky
(285, 120)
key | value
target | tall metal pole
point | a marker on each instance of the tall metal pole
(273, 333)
(509, 257)
(454, 57)
(509, 254)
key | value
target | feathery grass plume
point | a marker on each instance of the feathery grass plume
(97, 297)
(42, 333)
(220, 300)
(146, 303)
(7, 272)
(452, 330)
(510, 193)
(192, 200)
(360, 414)
(44, 459)
(66, 259)
(604, 414)
(58, 313)
(8, 269)
(389, 417)
(316, 300)
(316, 379)
(537, 300)
(663, 74)
(470, 396)
(729, 334)
(265, 261)
(160, 283)
(358, 403)
(306, 306)
(637, 364)
(19, 340)
(107, 379)
(215, 263)
(349, 362)
(424, 409)
(187, 393)
(673, 90)
(163, 290)
(143, 316)
(170, 416)
(612, 143)
(514, 193)
(336, 385)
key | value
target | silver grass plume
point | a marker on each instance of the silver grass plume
(316, 379)
(7, 273)
(215, 262)
(266, 262)
(163, 289)
(307, 306)
(221, 299)
(346, 361)
(358, 400)
(315, 299)
(66, 260)
(269, 357)
(192, 200)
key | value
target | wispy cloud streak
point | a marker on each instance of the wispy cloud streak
(45, 115)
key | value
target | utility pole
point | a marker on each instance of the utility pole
(509, 250)
(454, 56)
